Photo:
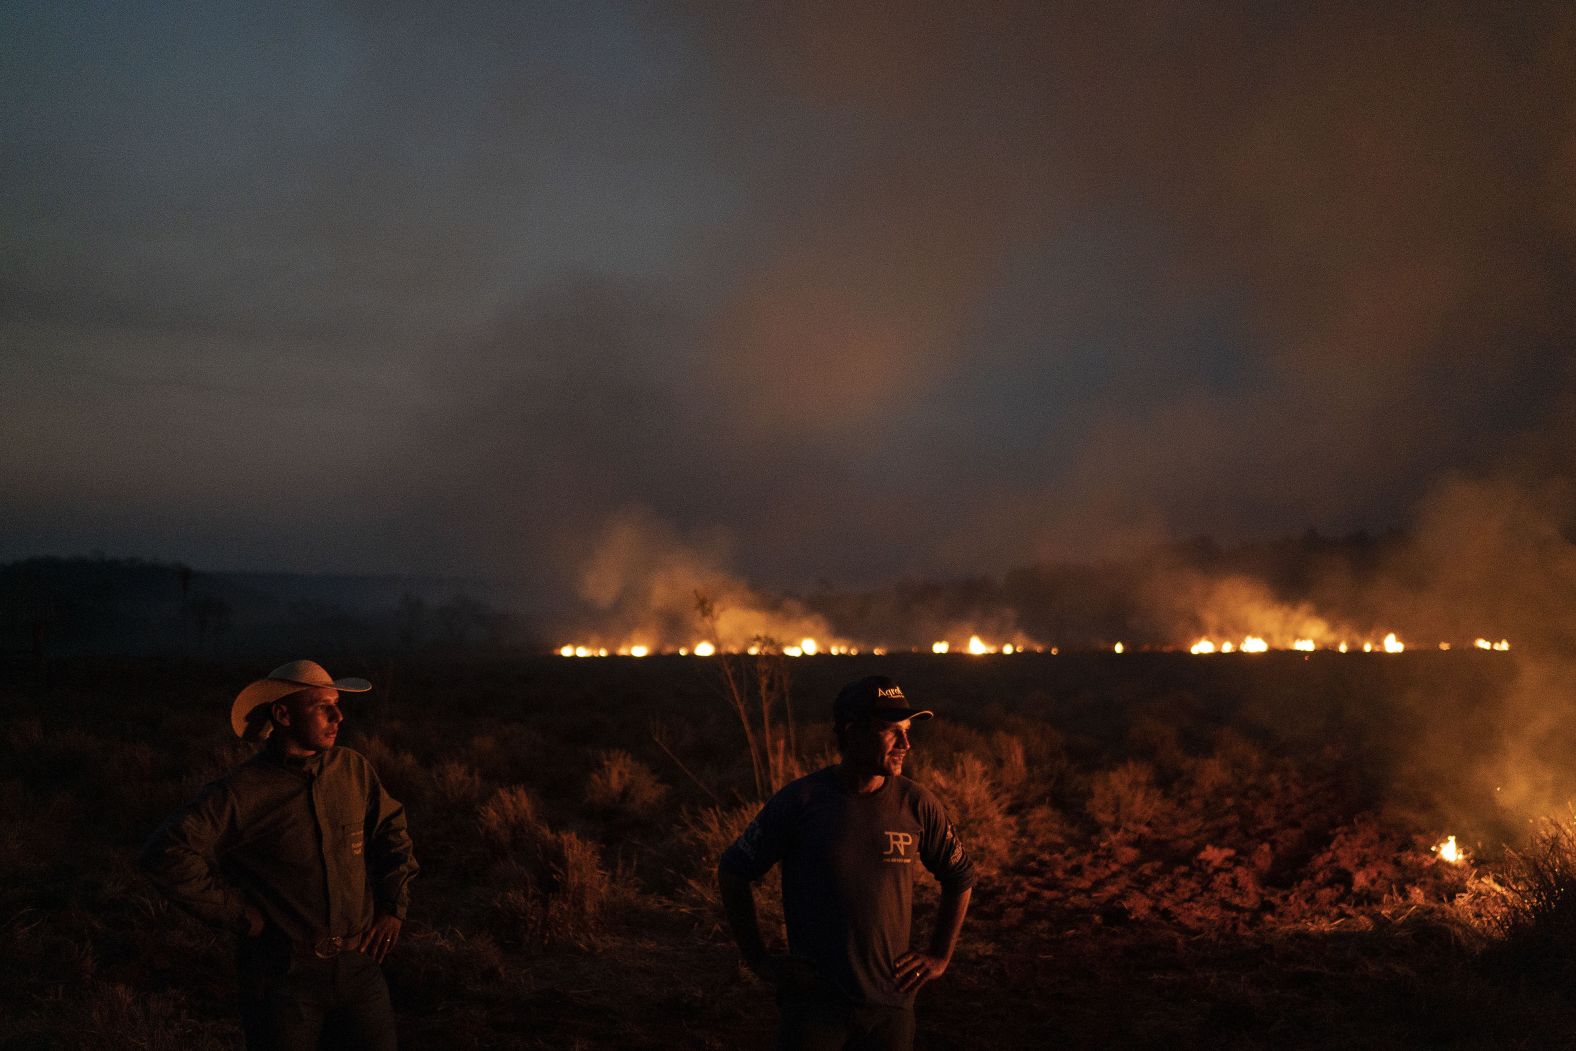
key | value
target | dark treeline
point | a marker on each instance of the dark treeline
(98, 605)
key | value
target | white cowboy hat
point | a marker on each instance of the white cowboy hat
(282, 682)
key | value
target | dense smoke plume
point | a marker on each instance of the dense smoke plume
(883, 290)
(643, 585)
(1501, 551)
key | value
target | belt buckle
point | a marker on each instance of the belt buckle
(328, 948)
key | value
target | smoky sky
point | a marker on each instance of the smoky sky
(849, 291)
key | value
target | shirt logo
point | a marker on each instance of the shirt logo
(897, 848)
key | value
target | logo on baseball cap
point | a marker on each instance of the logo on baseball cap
(874, 697)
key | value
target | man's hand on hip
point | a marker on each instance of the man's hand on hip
(914, 969)
(381, 937)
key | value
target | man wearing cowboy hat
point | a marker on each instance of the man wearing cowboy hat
(848, 838)
(302, 853)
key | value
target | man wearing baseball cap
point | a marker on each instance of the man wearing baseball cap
(305, 857)
(848, 838)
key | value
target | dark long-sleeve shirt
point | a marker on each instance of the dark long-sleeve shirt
(848, 874)
(316, 844)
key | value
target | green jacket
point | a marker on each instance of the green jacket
(315, 844)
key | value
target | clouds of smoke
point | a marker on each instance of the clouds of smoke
(1489, 556)
(1210, 269)
(538, 430)
(884, 290)
(1193, 605)
(1502, 551)
(642, 582)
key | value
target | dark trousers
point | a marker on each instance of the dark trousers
(829, 1023)
(295, 1003)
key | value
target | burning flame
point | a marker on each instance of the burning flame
(977, 645)
(1449, 851)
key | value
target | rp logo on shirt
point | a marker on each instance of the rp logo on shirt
(897, 844)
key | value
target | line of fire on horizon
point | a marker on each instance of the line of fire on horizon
(977, 646)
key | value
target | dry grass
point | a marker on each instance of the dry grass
(1125, 801)
(401, 772)
(979, 810)
(1530, 905)
(580, 892)
(455, 785)
(1150, 884)
(556, 892)
(622, 784)
(510, 820)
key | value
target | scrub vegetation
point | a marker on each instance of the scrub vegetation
(1176, 852)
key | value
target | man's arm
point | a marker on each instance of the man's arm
(391, 861)
(181, 857)
(761, 845)
(738, 906)
(914, 969)
(943, 854)
(391, 864)
(776, 969)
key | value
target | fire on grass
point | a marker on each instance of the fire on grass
(1448, 850)
(976, 646)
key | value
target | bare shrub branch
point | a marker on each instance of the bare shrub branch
(755, 685)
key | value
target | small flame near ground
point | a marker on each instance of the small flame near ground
(1450, 851)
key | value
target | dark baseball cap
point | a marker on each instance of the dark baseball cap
(874, 697)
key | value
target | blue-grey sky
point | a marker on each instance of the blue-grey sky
(848, 290)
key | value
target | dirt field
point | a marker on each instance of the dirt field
(1177, 851)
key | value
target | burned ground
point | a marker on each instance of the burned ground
(1176, 851)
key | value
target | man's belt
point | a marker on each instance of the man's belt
(327, 947)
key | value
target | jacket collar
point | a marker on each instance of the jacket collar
(305, 765)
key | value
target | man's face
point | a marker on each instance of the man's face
(310, 719)
(875, 747)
